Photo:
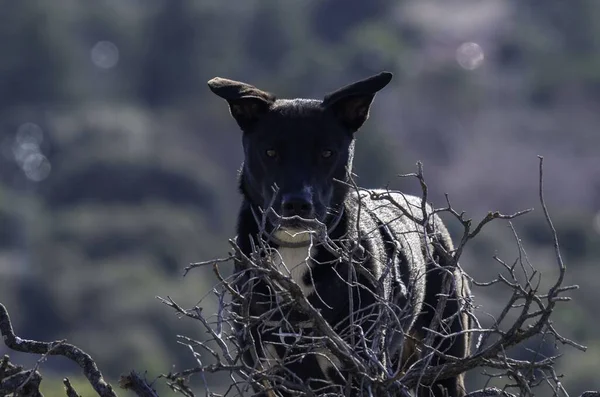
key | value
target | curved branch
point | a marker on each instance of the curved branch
(87, 364)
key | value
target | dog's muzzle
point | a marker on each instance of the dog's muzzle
(294, 231)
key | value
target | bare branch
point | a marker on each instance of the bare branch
(90, 370)
(361, 359)
(257, 348)
(137, 385)
(70, 391)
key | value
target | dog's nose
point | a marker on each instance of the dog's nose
(297, 204)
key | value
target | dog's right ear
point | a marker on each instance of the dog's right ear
(246, 102)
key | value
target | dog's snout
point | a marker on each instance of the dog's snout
(297, 204)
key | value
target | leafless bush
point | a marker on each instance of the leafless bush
(361, 361)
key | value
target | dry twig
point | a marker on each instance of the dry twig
(535, 308)
(362, 358)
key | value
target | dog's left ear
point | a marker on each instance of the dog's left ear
(246, 102)
(351, 103)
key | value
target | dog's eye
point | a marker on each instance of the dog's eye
(272, 153)
(326, 153)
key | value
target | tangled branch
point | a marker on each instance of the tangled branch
(359, 356)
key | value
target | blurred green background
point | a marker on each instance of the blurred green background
(118, 166)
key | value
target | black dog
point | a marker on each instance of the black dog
(298, 159)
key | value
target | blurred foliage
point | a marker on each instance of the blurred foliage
(118, 167)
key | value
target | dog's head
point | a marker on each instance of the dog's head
(295, 149)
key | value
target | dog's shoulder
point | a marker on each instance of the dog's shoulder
(388, 230)
(402, 213)
(398, 212)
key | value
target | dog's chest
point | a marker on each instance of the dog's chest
(296, 263)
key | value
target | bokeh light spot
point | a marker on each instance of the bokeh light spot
(29, 133)
(105, 55)
(24, 150)
(470, 56)
(36, 167)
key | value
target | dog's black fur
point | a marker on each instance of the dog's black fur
(305, 148)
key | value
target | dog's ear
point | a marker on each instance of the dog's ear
(246, 102)
(351, 103)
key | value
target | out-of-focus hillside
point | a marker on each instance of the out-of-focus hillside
(118, 166)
